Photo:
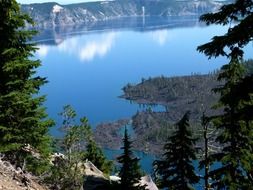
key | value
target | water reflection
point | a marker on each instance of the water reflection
(86, 49)
(57, 35)
(42, 50)
(116, 58)
(86, 42)
(160, 36)
(97, 47)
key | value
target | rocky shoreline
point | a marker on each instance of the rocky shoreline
(51, 14)
(108, 135)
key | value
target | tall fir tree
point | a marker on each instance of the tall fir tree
(176, 171)
(130, 172)
(235, 123)
(23, 120)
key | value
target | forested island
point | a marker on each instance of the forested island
(178, 95)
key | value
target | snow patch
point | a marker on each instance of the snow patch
(57, 9)
(114, 178)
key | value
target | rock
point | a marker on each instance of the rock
(92, 170)
(115, 178)
(147, 180)
(16, 179)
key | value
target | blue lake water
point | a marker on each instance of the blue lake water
(88, 66)
(89, 69)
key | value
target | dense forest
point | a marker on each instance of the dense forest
(75, 161)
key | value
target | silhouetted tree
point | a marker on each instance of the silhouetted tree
(176, 170)
(235, 123)
(130, 172)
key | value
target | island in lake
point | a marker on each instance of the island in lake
(176, 94)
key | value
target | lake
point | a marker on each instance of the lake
(87, 66)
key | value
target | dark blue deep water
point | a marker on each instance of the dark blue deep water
(87, 66)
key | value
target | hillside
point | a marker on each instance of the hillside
(53, 14)
(14, 179)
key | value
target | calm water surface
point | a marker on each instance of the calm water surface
(88, 70)
(87, 67)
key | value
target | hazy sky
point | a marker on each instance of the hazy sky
(58, 1)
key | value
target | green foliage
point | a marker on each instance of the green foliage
(77, 146)
(235, 123)
(236, 133)
(23, 120)
(130, 172)
(37, 166)
(236, 37)
(67, 171)
(95, 155)
(175, 170)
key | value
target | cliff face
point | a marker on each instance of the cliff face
(53, 14)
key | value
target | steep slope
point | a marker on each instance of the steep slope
(13, 179)
(53, 14)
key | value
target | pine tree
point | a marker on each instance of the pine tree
(130, 172)
(235, 123)
(240, 15)
(235, 134)
(23, 120)
(176, 170)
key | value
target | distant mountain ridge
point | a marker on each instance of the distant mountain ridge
(53, 14)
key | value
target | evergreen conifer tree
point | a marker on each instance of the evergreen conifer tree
(23, 120)
(235, 123)
(130, 172)
(176, 171)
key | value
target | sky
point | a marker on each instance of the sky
(58, 1)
